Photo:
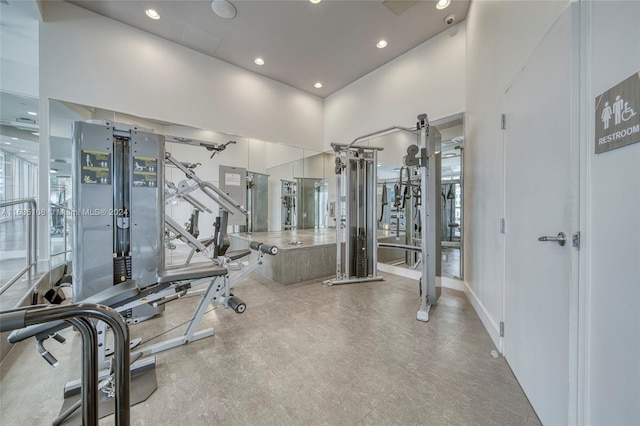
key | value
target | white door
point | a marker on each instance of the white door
(539, 201)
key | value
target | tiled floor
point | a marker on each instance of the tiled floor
(304, 354)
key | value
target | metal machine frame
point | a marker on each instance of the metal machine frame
(428, 161)
(288, 215)
(117, 208)
(119, 227)
(425, 156)
(356, 182)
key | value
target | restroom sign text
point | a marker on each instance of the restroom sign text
(618, 115)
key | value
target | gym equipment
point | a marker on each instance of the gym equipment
(117, 205)
(450, 227)
(356, 179)
(357, 204)
(257, 202)
(289, 191)
(210, 146)
(219, 243)
(384, 201)
(79, 315)
(426, 156)
(118, 259)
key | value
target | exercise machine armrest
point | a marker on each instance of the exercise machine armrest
(237, 254)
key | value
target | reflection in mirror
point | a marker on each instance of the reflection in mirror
(299, 191)
(451, 193)
(289, 191)
(399, 197)
(257, 202)
(265, 166)
(19, 147)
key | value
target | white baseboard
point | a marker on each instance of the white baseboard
(492, 327)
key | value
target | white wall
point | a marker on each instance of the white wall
(19, 47)
(427, 79)
(612, 233)
(500, 36)
(92, 60)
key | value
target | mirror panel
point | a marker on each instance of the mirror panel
(395, 215)
(280, 162)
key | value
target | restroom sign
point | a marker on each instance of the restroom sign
(618, 115)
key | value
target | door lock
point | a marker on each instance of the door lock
(561, 239)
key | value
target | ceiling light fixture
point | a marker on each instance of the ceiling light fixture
(318, 85)
(259, 61)
(23, 151)
(32, 113)
(14, 139)
(35, 133)
(152, 14)
(223, 9)
(53, 171)
(381, 44)
(315, 1)
(443, 4)
(7, 143)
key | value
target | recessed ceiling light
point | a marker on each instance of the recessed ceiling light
(35, 133)
(7, 143)
(53, 171)
(14, 139)
(318, 85)
(223, 9)
(23, 151)
(32, 113)
(259, 61)
(381, 44)
(443, 4)
(152, 14)
(315, 1)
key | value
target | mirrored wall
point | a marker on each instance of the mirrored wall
(268, 165)
(399, 196)
(300, 184)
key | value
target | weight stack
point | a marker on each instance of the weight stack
(361, 254)
(121, 269)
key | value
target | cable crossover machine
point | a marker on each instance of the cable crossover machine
(356, 231)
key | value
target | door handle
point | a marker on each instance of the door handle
(561, 239)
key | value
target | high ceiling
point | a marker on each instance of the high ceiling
(332, 42)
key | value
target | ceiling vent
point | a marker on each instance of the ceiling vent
(398, 7)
